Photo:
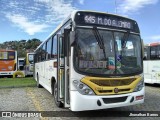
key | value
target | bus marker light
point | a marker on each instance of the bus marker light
(80, 86)
(10, 67)
(86, 91)
(139, 97)
(75, 82)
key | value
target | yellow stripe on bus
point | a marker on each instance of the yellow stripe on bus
(107, 86)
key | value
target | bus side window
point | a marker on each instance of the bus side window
(158, 52)
(38, 56)
(48, 55)
(61, 47)
(34, 58)
(24, 62)
(54, 47)
(43, 52)
(154, 52)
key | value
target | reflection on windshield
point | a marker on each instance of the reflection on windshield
(121, 56)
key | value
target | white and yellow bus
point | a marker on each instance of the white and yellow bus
(28, 64)
(151, 63)
(8, 62)
(92, 61)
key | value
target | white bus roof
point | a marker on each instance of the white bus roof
(71, 16)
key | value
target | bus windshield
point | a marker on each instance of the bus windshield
(7, 55)
(30, 58)
(116, 53)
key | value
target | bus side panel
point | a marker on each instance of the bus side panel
(153, 71)
(147, 74)
(50, 72)
(45, 72)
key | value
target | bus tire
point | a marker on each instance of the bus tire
(38, 85)
(55, 94)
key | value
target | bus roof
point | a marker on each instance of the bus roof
(72, 16)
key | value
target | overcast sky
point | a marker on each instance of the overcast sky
(27, 19)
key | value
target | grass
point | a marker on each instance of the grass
(17, 82)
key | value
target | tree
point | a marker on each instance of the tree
(21, 46)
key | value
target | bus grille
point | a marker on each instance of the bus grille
(113, 82)
(110, 91)
(114, 100)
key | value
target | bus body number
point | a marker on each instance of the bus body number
(98, 88)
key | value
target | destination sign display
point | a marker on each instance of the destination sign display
(105, 20)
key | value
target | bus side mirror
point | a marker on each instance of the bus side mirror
(72, 37)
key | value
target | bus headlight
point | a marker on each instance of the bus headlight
(10, 67)
(82, 88)
(140, 85)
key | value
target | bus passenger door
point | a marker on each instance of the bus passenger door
(63, 69)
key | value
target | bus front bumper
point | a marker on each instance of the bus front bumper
(79, 102)
(6, 73)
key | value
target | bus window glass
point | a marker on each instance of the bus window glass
(92, 58)
(43, 52)
(30, 58)
(146, 53)
(21, 62)
(128, 53)
(3, 55)
(49, 48)
(39, 54)
(61, 45)
(54, 48)
(154, 52)
(11, 55)
(7, 55)
(158, 52)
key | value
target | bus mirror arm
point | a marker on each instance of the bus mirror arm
(72, 37)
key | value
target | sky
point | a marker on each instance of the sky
(27, 19)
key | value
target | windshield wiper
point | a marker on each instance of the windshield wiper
(99, 39)
(125, 38)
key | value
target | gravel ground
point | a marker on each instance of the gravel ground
(39, 99)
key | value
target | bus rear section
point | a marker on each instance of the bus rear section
(152, 63)
(92, 61)
(8, 62)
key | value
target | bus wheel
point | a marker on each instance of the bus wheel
(55, 93)
(38, 85)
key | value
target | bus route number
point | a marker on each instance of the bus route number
(90, 19)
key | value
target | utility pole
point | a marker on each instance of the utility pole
(115, 6)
